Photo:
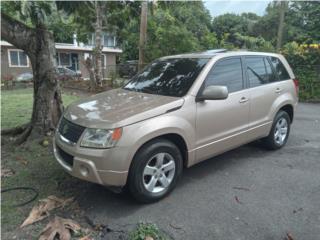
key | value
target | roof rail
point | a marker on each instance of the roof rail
(222, 50)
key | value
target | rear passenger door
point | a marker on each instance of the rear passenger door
(222, 124)
(264, 89)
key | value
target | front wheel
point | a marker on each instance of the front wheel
(279, 132)
(155, 170)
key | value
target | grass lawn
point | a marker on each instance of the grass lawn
(33, 165)
(16, 106)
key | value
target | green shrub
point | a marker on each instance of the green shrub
(305, 62)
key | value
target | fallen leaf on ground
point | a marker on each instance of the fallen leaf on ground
(22, 160)
(298, 210)
(289, 237)
(237, 199)
(6, 172)
(41, 210)
(59, 227)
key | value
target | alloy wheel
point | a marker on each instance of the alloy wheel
(159, 172)
(281, 131)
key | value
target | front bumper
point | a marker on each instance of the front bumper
(107, 167)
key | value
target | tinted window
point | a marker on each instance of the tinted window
(226, 73)
(170, 77)
(257, 72)
(270, 74)
(280, 69)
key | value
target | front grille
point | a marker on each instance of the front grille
(66, 157)
(70, 131)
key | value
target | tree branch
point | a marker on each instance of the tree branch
(15, 32)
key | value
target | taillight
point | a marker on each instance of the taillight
(296, 84)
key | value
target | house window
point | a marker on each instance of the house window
(103, 61)
(109, 41)
(64, 59)
(17, 58)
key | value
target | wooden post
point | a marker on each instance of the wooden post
(143, 33)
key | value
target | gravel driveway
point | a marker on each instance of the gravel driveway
(248, 193)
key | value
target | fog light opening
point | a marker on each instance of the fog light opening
(84, 171)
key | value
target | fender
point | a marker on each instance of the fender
(157, 127)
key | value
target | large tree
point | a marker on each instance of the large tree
(33, 37)
(173, 27)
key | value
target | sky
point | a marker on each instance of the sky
(219, 7)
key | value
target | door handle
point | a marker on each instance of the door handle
(243, 100)
(278, 90)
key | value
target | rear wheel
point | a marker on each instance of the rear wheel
(155, 170)
(279, 132)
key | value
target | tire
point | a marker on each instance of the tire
(276, 138)
(146, 181)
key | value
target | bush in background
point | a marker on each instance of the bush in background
(305, 62)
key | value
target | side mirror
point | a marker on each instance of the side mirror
(213, 93)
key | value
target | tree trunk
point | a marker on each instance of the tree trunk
(47, 103)
(281, 24)
(39, 45)
(98, 46)
(90, 69)
(143, 33)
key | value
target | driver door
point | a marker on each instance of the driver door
(222, 124)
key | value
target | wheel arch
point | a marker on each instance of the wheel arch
(288, 108)
(173, 137)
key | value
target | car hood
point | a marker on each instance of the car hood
(118, 108)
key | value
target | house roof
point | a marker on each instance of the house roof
(70, 46)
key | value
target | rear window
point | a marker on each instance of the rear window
(169, 77)
(280, 69)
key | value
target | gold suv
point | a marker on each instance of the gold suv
(178, 111)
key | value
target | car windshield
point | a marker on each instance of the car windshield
(169, 77)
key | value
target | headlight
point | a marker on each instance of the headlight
(101, 138)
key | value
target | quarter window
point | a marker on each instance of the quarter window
(18, 58)
(227, 73)
(257, 72)
(280, 69)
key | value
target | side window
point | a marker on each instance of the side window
(228, 73)
(257, 72)
(280, 69)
